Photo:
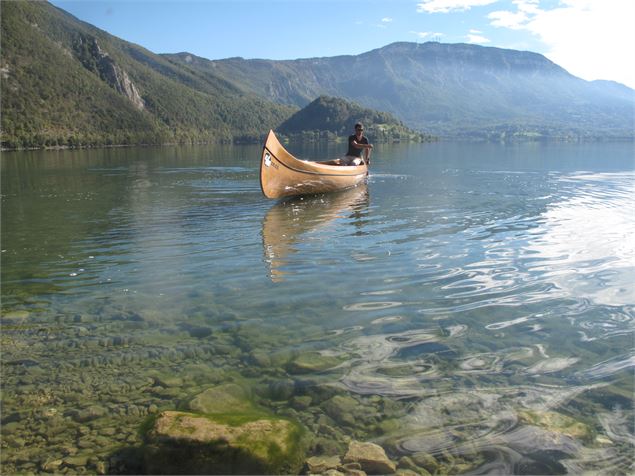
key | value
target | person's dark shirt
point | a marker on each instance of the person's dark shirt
(352, 150)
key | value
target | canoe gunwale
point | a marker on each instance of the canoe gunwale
(317, 164)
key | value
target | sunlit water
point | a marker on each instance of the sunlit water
(478, 300)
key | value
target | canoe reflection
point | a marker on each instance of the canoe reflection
(286, 222)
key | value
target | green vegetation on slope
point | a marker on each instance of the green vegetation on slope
(45, 91)
(66, 83)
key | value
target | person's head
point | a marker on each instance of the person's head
(359, 128)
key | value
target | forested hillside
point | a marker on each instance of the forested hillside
(67, 83)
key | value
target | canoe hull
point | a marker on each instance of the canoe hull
(282, 175)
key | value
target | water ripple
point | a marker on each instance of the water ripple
(371, 306)
(607, 368)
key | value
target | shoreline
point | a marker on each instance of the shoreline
(296, 139)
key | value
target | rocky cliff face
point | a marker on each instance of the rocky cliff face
(99, 62)
(119, 80)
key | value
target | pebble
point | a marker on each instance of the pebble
(100, 468)
(76, 461)
(69, 450)
(85, 443)
(52, 466)
(409, 472)
(281, 389)
(301, 403)
(11, 418)
(10, 428)
(370, 456)
(320, 464)
(14, 317)
(358, 472)
(16, 442)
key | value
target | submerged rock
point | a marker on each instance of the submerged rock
(333, 472)
(346, 410)
(87, 414)
(425, 461)
(187, 443)
(281, 389)
(261, 359)
(301, 402)
(409, 472)
(168, 381)
(533, 439)
(311, 362)
(76, 461)
(556, 422)
(371, 457)
(52, 466)
(321, 464)
(14, 317)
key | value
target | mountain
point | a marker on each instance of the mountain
(65, 82)
(445, 89)
(329, 117)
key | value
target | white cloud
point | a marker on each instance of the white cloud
(445, 6)
(505, 19)
(528, 6)
(475, 36)
(386, 20)
(593, 39)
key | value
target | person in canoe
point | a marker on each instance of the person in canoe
(359, 149)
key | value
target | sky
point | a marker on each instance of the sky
(592, 39)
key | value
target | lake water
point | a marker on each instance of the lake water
(471, 309)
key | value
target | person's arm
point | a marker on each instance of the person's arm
(357, 145)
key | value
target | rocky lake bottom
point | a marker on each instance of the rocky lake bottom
(83, 410)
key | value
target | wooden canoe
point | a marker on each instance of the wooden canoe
(282, 175)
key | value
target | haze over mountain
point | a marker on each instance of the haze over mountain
(446, 89)
(65, 82)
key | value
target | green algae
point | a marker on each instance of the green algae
(255, 449)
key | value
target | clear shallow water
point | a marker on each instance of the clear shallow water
(478, 300)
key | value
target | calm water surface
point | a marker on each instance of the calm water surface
(472, 307)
